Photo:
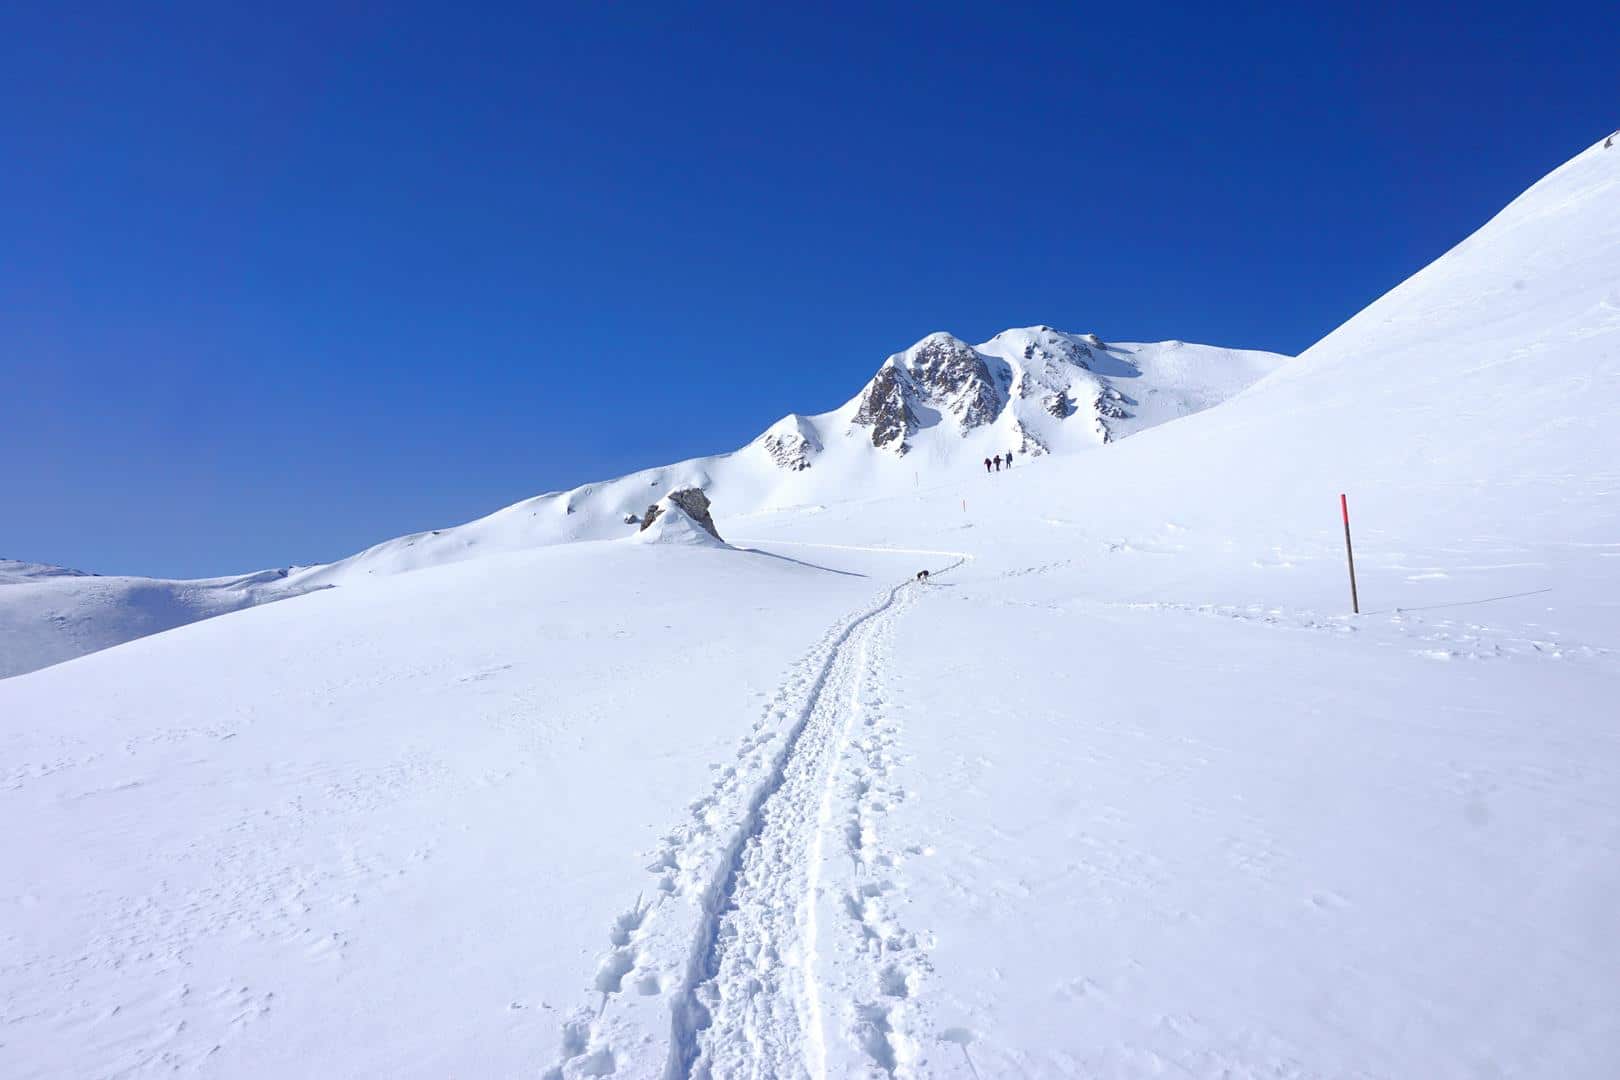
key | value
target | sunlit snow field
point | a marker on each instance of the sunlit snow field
(1124, 790)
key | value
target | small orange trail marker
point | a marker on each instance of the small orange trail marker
(1349, 554)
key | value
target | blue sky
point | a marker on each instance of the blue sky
(277, 285)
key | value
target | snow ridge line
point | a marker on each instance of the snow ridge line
(689, 1016)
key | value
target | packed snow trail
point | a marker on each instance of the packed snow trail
(738, 957)
(752, 1005)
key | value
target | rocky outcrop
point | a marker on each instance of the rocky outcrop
(955, 379)
(1049, 355)
(692, 501)
(1112, 405)
(941, 375)
(886, 409)
(792, 443)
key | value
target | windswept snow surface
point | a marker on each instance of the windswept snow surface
(1123, 791)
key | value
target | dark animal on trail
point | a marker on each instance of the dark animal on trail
(922, 575)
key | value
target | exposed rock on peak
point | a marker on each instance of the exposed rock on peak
(886, 409)
(792, 442)
(1045, 350)
(941, 375)
(956, 379)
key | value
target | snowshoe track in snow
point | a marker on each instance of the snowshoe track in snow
(810, 780)
(752, 1005)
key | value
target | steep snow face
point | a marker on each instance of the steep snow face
(1482, 391)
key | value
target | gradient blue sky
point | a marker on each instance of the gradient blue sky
(279, 284)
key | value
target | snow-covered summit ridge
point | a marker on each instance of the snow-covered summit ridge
(1035, 389)
(931, 411)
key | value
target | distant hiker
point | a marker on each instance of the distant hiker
(997, 460)
(1009, 459)
(986, 464)
(922, 575)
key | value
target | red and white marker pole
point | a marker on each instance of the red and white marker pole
(1349, 554)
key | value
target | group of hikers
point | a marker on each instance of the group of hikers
(996, 461)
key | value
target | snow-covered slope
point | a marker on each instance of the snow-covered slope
(278, 817)
(1476, 399)
(947, 404)
(1124, 791)
(1180, 812)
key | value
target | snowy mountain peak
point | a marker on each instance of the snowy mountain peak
(940, 376)
(940, 406)
(1034, 389)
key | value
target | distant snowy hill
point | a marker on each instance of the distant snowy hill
(49, 613)
(13, 572)
(937, 407)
